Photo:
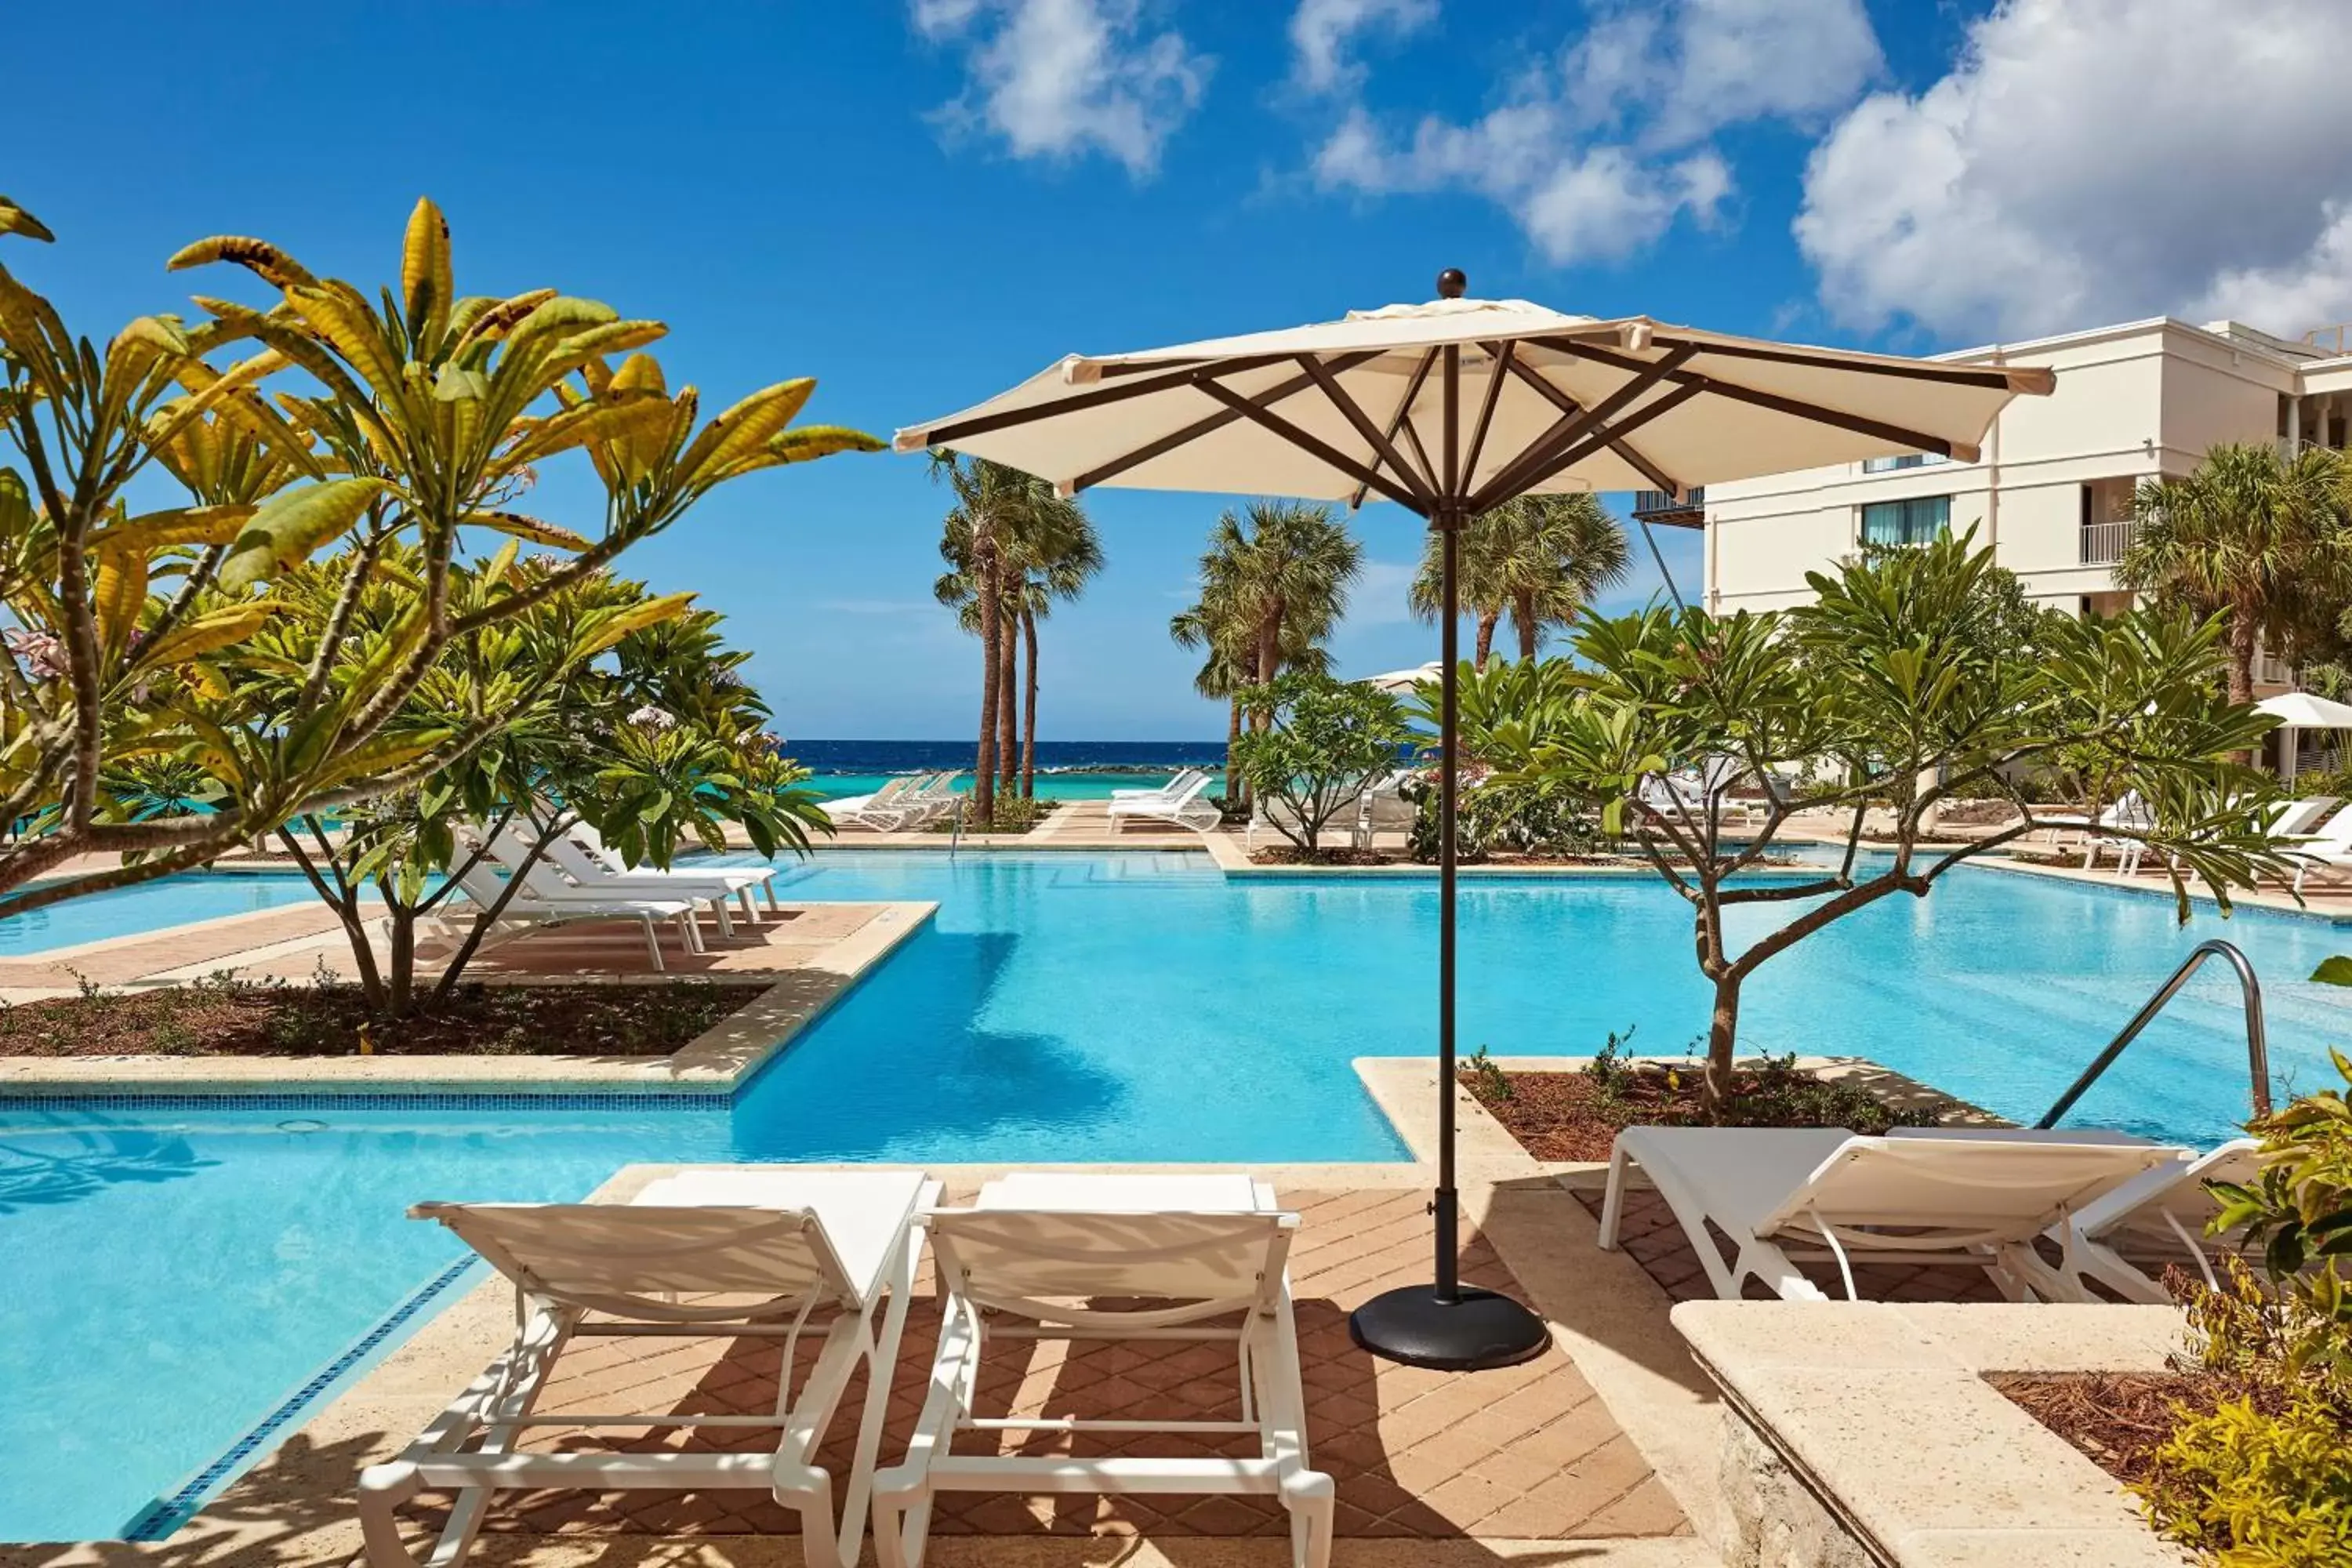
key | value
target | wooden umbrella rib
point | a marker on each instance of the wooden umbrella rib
(1599, 440)
(1399, 420)
(1383, 449)
(982, 423)
(1166, 444)
(1965, 375)
(1634, 457)
(1503, 356)
(1314, 446)
(1571, 428)
(1861, 425)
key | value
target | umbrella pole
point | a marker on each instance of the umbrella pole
(1449, 534)
(1442, 1325)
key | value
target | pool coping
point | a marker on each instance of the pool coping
(711, 1067)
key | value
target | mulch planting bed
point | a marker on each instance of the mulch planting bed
(230, 1018)
(1576, 1115)
(2118, 1420)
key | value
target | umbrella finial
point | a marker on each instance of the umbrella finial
(1451, 283)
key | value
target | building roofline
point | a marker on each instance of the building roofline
(2236, 336)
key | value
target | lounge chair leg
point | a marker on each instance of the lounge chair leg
(653, 944)
(750, 910)
(1310, 1499)
(1612, 1202)
(726, 921)
(381, 1490)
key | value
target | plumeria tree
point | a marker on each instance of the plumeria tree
(1883, 695)
(409, 421)
(613, 706)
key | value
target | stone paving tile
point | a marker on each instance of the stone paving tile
(1653, 1237)
(1528, 1452)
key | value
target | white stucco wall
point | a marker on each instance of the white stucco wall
(2131, 401)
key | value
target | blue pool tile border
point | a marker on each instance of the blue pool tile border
(367, 1100)
(160, 1519)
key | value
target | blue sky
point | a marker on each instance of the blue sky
(920, 203)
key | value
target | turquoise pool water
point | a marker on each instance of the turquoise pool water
(150, 906)
(1064, 1006)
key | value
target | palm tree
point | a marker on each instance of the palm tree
(1052, 563)
(2260, 537)
(1272, 586)
(1540, 558)
(996, 507)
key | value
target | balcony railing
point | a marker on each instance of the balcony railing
(2104, 543)
(1661, 507)
(2272, 670)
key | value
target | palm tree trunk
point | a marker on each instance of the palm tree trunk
(1487, 620)
(1008, 694)
(1236, 790)
(2243, 639)
(1523, 617)
(1029, 704)
(992, 636)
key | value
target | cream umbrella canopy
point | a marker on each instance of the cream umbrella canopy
(1450, 408)
(2301, 710)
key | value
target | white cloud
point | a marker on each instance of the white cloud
(1056, 78)
(2089, 161)
(1322, 31)
(1599, 148)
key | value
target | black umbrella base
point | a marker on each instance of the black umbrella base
(1473, 1333)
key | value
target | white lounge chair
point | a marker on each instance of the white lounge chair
(2126, 1239)
(581, 853)
(781, 1246)
(1383, 808)
(1787, 1195)
(2287, 819)
(934, 798)
(2329, 848)
(1176, 785)
(886, 810)
(482, 887)
(1191, 808)
(1027, 1261)
(543, 877)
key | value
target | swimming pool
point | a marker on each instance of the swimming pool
(150, 906)
(1114, 1006)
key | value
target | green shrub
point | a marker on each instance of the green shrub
(2262, 1478)
(2258, 1490)
(1325, 741)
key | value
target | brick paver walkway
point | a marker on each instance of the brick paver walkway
(1525, 1453)
(1650, 1236)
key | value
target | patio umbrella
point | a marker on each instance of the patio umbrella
(2301, 710)
(1448, 409)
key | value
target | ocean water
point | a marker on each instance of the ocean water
(1067, 770)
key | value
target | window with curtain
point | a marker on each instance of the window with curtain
(1907, 460)
(1913, 522)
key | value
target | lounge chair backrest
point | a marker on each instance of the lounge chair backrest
(510, 848)
(2151, 1205)
(1192, 792)
(573, 859)
(2295, 817)
(477, 881)
(2333, 837)
(1995, 1187)
(630, 1258)
(1024, 1260)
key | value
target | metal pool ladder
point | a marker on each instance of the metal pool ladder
(2258, 1048)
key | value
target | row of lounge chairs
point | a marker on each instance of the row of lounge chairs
(2323, 842)
(775, 1254)
(576, 877)
(2046, 1215)
(1183, 800)
(915, 800)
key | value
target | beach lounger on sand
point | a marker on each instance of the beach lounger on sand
(1204, 1255)
(723, 1254)
(1781, 1195)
